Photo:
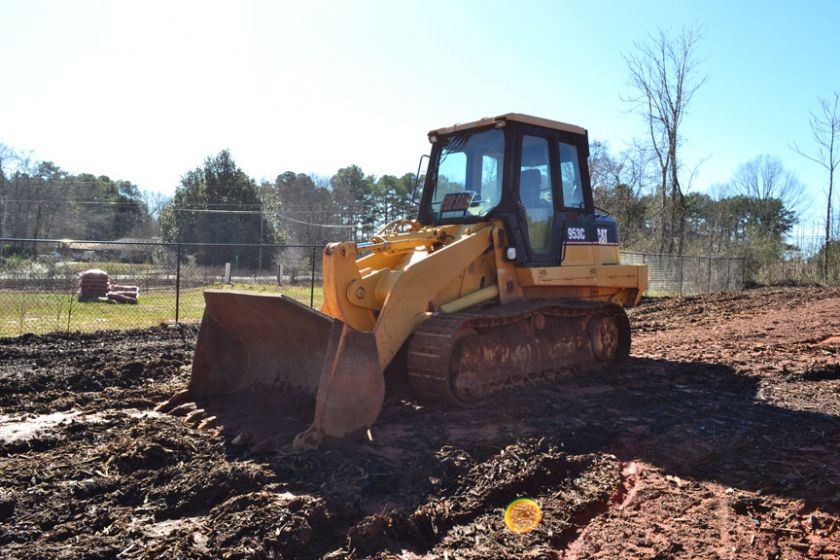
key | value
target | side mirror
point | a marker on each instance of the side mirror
(417, 179)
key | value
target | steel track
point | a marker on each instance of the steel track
(460, 358)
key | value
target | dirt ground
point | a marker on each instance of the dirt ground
(718, 439)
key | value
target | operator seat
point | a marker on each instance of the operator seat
(530, 182)
(539, 212)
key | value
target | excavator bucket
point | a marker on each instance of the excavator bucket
(267, 367)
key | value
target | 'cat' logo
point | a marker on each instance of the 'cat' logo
(602, 236)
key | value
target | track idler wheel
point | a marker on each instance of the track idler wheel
(609, 336)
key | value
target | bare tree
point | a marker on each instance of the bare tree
(663, 74)
(155, 202)
(617, 184)
(765, 177)
(6, 154)
(602, 167)
(825, 127)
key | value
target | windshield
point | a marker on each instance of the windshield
(468, 182)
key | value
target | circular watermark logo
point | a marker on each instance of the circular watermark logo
(522, 516)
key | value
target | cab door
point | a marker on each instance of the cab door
(576, 220)
(554, 195)
(537, 193)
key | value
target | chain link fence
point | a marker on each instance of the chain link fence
(39, 279)
(670, 275)
(807, 259)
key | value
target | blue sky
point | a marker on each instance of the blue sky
(144, 91)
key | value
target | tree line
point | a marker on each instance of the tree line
(216, 203)
(220, 203)
(751, 216)
(650, 183)
(647, 186)
(39, 200)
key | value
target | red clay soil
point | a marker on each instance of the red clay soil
(718, 439)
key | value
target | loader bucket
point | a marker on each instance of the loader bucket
(266, 366)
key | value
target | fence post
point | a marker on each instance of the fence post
(743, 272)
(682, 271)
(312, 279)
(709, 284)
(261, 241)
(178, 283)
(728, 268)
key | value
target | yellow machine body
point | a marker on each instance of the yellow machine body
(326, 368)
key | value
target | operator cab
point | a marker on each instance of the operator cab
(531, 173)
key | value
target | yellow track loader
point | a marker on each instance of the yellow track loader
(507, 276)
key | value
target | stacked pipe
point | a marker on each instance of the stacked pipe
(96, 285)
(123, 294)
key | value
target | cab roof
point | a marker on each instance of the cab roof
(517, 117)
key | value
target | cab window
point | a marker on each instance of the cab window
(468, 181)
(535, 192)
(570, 177)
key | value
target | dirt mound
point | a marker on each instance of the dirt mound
(656, 314)
(467, 516)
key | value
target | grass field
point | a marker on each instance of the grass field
(26, 312)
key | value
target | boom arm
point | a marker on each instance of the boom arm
(411, 288)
